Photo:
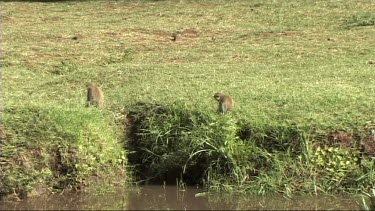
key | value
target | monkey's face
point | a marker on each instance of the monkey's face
(217, 96)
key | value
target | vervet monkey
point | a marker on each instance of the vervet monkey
(226, 103)
(95, 96)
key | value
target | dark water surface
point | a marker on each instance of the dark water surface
(168, 197)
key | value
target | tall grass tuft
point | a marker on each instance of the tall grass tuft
(371, 205)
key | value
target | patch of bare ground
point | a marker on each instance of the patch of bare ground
(264, 35)
(145, 36)
(141, 35)
(185, 35)
(369, 145)
(356, 142)
(341, 138)
(277, 34)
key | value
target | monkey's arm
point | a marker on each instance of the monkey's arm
(223, 107)
(89, 96)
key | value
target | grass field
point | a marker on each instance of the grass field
(273, 57)
(305, 63)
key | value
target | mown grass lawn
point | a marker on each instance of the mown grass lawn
(298, 61)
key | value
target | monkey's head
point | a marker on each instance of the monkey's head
(89, 84)
(218, 95)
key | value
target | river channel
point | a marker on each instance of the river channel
(171, 198)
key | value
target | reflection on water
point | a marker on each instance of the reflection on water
(159, 197)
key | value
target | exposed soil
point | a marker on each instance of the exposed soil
(192, 33)
(369, 145)
(364, 143)
(341, 138)
(185, 34)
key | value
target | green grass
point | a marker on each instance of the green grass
(172, 141)
(59, 148)
(296, 64)
(274, 58)
(369, 204)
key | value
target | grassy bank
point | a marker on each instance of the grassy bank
(301, 73)
(49, 149)
(225, 153)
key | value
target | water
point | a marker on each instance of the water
(169, 197)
